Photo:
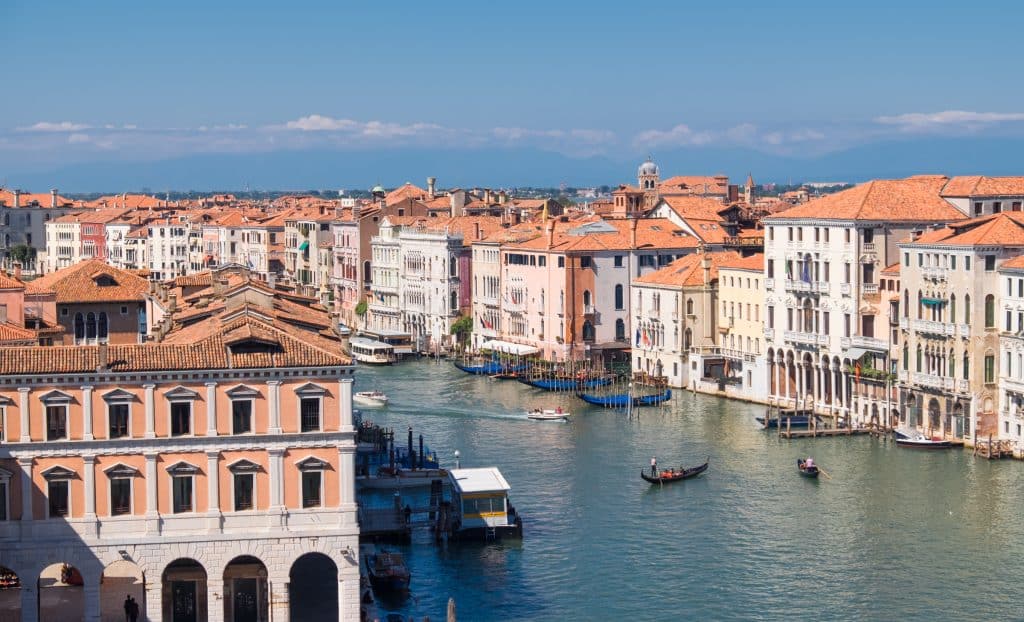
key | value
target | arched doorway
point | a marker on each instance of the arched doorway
(245, 590)
(959, 421)
(313, 588)
(120, 580)
(61, 593)
(933, 414)
(183, 591)
(10, 595)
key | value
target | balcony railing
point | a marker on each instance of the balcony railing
(934, 273)
(769, 333)
(805, 338)
(869, 288)
(869, 343)
(963, 386)
(932, 381)
(965, 330)
(769, 283)
(591, 310)
(868, 247)
(932, 327)
(807, 286)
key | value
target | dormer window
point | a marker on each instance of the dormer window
(105, 280)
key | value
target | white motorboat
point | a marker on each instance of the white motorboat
(918, 440)
(556, 414)
(370, 398)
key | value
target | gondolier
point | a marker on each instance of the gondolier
(654, 467)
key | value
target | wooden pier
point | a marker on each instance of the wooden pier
(822, 433)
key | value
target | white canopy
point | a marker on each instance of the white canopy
(487, 479)
(508, 347)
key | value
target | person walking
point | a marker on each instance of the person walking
(128, 608)
(133, 616)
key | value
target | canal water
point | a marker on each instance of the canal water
(895, 534)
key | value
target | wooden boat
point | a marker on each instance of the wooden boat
(796, 421)
(566, 384)
(806, 471)
(666, 476)
(550, 414)
(387, 571)
(917, 440)
(370, 398)
(621, 400)
(489, 368)
(508, 375)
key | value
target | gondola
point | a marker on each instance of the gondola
(489, 368)
(795, 421)
(667, 476)
(566, 384)
(811, 471)
(621, 400)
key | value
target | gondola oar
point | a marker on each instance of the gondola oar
(822, 471)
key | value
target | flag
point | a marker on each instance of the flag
(806, 276)
(856, 370)
(638, 337)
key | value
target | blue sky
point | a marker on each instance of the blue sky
(131, 80)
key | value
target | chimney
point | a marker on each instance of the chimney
(431, 182)
(101, 357)
(17, 198)
(17, 270)
(476, 230)
(551, 233)
(173, 306)
(53, 197)
(502, 197)
(487, 196)
(124, 199)
(632, 233)
(705, 262)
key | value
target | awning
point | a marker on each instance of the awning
(508, 347)
(856, 353)
(304, 245)
(933, 301)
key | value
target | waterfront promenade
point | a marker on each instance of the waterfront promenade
(897, 534)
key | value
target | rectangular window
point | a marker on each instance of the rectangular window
(789, 232)
(920, 260)
(827, 266)
(542, 261)
(244, 491)
(585, 261)
(56, 422)
(967, 263)
(58, 495)
(1009, 321)
(978, 207)
(799, 234)
(618, 261)
(771, 317)
(181, 418)
(952, 262)
(846, 325)
(3, 501)
(771, 233)
(1015, 206)
(990, 263)
(990, 369)
(241, 416)
(310, 414)
(771, 268)
(824, 323)
(846, 273)
(118, 415)
(846, 236)
(826, 234)
(120, 496)
(789, 319)
(181, 488)
(997, 206)
(311, 489)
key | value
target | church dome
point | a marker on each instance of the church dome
(647, 168)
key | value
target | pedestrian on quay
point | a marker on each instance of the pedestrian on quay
(128, 608)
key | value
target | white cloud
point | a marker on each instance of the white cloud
(948, 118)
(320, 123)
(48, 126)
(77, 138)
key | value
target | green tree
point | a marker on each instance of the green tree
(462, 328)
(22, 252)
(361, 308)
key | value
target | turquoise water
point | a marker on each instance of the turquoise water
(896, 534)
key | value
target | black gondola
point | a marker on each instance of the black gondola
(806, 471)
(671, 475)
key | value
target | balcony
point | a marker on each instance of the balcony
(869, 288)
(769, 333)
(934, 273)
(805, 286)
(903, 375)
(769, 283)
(965, 331)
(844, 289)
(963, 386)
(591, 310)
(869, 343)
(932, 327)
(811, 339)
(868, 247)
(944, 383)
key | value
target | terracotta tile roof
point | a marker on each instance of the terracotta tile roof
(244, 343)
(131, 201)
(80, 283)
(9, 282)
(199, 279)
(595, 234)
(43, 199)
(688, 270)
(694, 184)
(1017, 263)
(893, 270)
(982, 186)
(407, 191)
(11, 334)
(914, 199)
(694, 206)
(1003, 229)
(753, 262)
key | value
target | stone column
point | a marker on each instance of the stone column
(213, 490)
(150, 410)
(345, 405)
(801, 391)
(26, 493)
(274, 402)
(817, 386)
(276, 516)
(211, 409)
(87, 413)
(152, 512)
(347, 483)
(91, 596)
(23, 410)
(348, 587)
(30, 601)
(279, 604)
(214, 597)
(89, 475)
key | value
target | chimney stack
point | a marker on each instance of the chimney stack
(551, 233)
(706, 264)
(476, 230)
(173, 306)
(53, 197)
(101, 357)
(632, 233)
(17, 270)
(17, 198)
(431, 182)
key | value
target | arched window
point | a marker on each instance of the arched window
(920, 304)
(966, 367)
(689, 306)
(620, 330)
(586, 298)
(79, 326)
(918, 358)
(906, 303)
(687, 339)
(906, 357)
(618, 296)
(990, 311)
(455, 301)
(588, 331)
(967, 309)
(90, 326)
(952, 309)
(103, 325)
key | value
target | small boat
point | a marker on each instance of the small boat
(506, 375)
(489, 368)
(621, 400)
(806, 471)
(666, 476)
(370, 398)
(918, 440)
(566, 384)
(556, 414)
(387, 571)
(796, 421)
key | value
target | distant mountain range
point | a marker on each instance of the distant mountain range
(322, 169)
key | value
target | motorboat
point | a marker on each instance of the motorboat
(918, 440)
(387, 571)
(556, 414)
(370, 398)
